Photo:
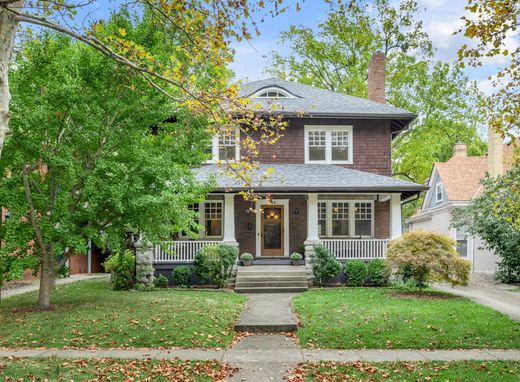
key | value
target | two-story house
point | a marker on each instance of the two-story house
(331, 178)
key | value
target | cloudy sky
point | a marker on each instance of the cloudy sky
(440, 19)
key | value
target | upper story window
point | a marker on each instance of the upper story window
(225, 146)
(439, 192)
(273, 92)
(328, 144)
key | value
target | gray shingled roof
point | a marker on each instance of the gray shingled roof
(310, 177)
(319, 102)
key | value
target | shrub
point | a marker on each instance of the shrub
(161, 282)
(378, 273)
(214, 263)
(182, 276)
(408, 285)
(428, 256)
(122, 268)
(324, 265)
(296, 256)
(356, 271)
(246, 257)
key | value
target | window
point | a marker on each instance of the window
(345, 218)
(209, 216)
(213, 219)
(322, 219)
(363, 219)
(316, 145)
(225, 146)
(439, 193)
(340, 219)
(273, 92)
(328, 144)
(462, 242)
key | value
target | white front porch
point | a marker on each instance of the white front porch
(299, 222)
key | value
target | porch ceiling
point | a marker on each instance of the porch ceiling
(310, 178)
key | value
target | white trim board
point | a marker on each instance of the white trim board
(258, 240)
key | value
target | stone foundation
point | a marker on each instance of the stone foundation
(144, 270)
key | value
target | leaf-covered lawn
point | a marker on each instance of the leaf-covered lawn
(59, 370)
(470, 371)
(354, 318)
(90, 314)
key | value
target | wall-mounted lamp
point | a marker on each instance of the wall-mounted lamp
(296, 211)
(249, 226)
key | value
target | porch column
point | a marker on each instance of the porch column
(396, 223)
(229, 219)
(312, 218)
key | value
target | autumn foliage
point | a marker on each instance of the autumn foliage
(428, 256)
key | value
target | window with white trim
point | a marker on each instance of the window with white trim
(328, 144)
(225, 146)
(346, 219)
(439, 193)
(273, 92)
(462, 242)
(209, 216)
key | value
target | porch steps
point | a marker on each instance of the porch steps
(271, 279)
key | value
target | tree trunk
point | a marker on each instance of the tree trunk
(8, 27)
(47, 277)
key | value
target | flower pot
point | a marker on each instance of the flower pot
(297, 262)
(247, 263)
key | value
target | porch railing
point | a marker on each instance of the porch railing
(363, 249)
(179, 251)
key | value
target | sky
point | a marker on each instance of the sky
(440, 19)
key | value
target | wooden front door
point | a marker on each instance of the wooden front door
(272, 234)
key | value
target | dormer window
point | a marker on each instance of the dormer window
(225, 146)
(273, 92)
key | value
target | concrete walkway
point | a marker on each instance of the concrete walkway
(268, 313)
(68, 280)
(504, 301)
(271, 348)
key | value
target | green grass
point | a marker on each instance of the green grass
(354, 318)
(60, 370)
(467, 371)
(90, 314)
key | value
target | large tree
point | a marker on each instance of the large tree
(491, 24)
(201, 32)
(336, 55)
(95, 153)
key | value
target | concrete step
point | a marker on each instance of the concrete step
(295, 284)
(271, 289)
(270, 274)
(271, 268)
(272, 278)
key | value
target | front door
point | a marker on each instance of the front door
(272, 233)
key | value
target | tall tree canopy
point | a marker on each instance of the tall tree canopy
(95, 153)
(336, 55)
(200, 33)
(491, 24)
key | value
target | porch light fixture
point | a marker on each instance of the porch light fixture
(296, 211)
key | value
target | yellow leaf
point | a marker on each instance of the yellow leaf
(122, 32)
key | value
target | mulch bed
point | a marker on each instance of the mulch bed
(422, 295)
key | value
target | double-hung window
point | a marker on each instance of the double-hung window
(346, 219)
(210, 216)
(225, 145)
(462, 242)
(328, 144)
(439, 193)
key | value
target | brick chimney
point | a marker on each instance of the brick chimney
(460, 150)
(495, 153)
(377, 77)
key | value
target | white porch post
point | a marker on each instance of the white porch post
(229, 219)
(396, 223)
(312, 218)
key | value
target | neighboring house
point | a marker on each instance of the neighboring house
(331, 182)
(454, 184)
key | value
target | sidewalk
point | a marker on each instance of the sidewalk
(68, 280)
(504, 301)
(272, 348)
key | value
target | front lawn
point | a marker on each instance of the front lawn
(355, 318)
(470, 371)
(60, 370)
(90, 314)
